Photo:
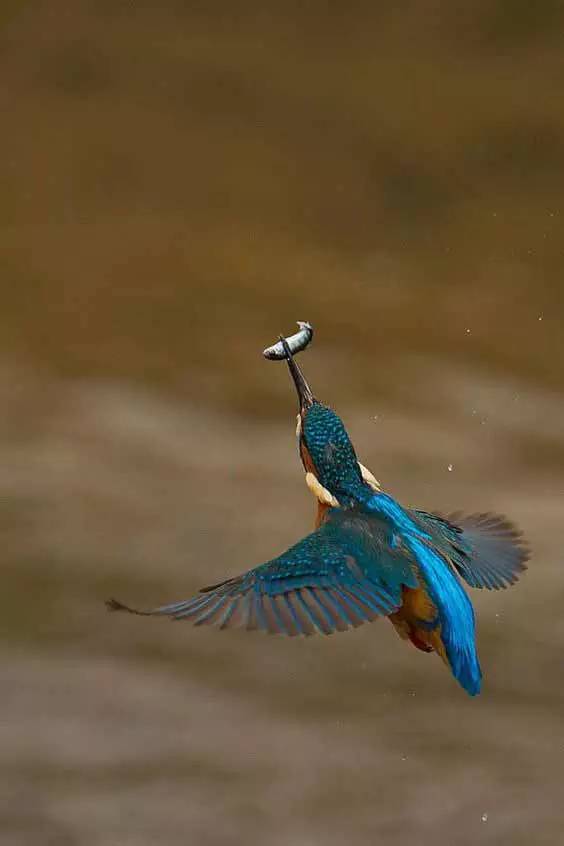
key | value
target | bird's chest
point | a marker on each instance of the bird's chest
(416, 620)
(417, 606)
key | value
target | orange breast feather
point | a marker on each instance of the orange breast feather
(417, 608)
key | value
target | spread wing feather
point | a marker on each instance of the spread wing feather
(486, 549)
(346, 573)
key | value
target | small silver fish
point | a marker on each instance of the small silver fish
(297, 342)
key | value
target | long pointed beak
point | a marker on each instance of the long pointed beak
(305, 395)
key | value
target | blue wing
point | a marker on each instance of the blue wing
(454, 609)
(342, 575)
(486, 549)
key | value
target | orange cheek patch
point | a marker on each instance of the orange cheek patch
(322, 509)
(306, 459)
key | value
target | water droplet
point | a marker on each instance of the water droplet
(484, 817)
(449, 468)
(468, 331)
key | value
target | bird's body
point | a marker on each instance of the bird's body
(367, 557)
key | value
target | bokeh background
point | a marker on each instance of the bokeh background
(180, 182)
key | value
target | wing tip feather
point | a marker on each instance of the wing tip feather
(115, 605)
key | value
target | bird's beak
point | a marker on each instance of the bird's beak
(305, 395)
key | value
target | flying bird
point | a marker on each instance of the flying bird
(368, 557)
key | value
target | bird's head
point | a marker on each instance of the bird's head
(332, 469)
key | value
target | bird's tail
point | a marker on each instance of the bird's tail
(457, 627)
(454, 609)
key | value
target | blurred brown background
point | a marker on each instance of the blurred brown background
(180, 182)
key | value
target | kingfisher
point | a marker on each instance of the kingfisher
(368, 557)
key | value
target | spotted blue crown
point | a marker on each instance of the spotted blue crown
(331, 450)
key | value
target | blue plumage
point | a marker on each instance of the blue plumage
(486, 549)
(369, 557)
(330, 449)
(343, 574)
(455, 614)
